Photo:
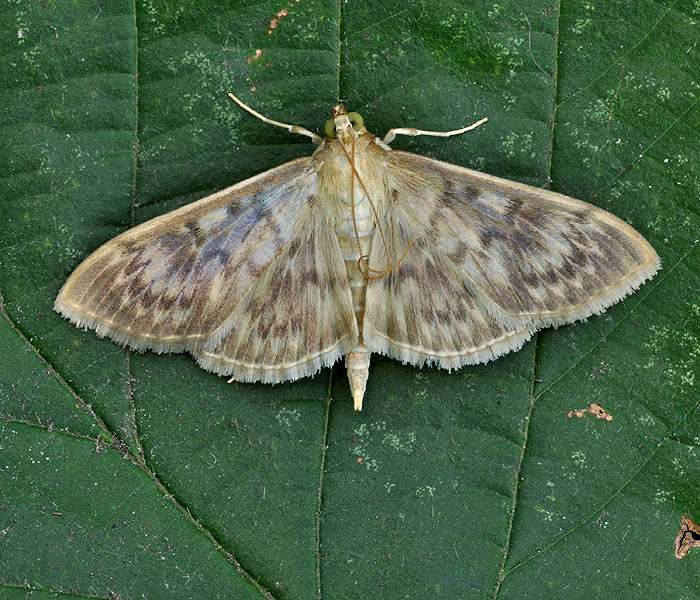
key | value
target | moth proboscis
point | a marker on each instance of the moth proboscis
(356, 249)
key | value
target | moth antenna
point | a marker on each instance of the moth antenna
(392, 133)
(362, 260)
(317, 139)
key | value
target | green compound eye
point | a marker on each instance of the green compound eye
(330, 129)
(356, 120)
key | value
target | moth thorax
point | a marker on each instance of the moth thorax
(352, 185)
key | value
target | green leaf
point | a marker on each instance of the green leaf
(140, 475)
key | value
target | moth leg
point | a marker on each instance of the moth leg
(392, 133)
(292, 128)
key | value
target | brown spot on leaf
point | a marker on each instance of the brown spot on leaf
(594, 409)
(274, 23)
(688, 537)
(256, 56)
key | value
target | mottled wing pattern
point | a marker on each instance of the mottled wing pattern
(296, 319)
(175, 282)
(423, 311)
(530, 257)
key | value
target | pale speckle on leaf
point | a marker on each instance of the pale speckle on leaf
(287, 416)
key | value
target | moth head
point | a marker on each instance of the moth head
(344, 125)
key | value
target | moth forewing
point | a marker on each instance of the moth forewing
(356, 249)
(532, 257)
(169, 284)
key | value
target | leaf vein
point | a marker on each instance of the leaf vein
(612, 496)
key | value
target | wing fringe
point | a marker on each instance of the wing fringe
(419, 357)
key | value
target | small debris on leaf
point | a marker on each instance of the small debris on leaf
(256, 56)
(594, 409)
(688, 537)
(276, 21)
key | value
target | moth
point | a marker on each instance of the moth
(356, 249)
